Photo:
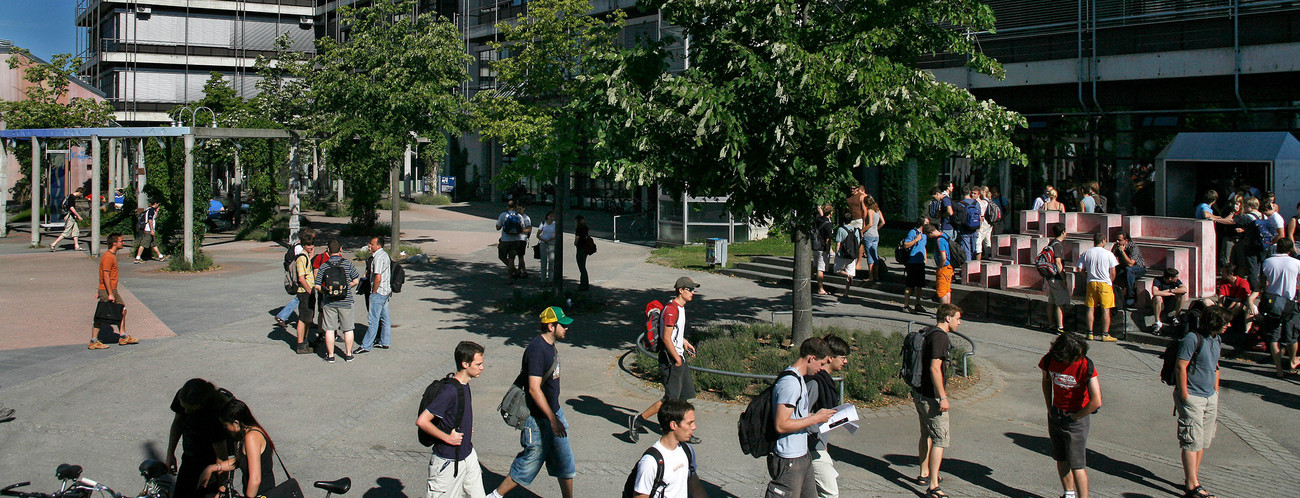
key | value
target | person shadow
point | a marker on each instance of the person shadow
(878, 467)
(386, 487)
(971, 472)
(1100, 462)
(617, 415)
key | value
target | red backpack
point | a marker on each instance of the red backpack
(1046, 261)
(654, 324)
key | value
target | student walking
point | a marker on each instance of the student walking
(1058, 297)
(931, 398)
(677, 419)
(546, 433)
(790, 462)
(856, 213)
(515, 227)
(453, 465)
(334, 282)
(306, 285)
(1099, 264)
(380, 271)
(848, 248)
(1196, 395)
(148, 233)
(202, 438)
(914, 243)
(1072, 393)
(674, 368)
(70, 219)
(107, 293)
(582, 242)
(871, 239)
(822, 235)
(821, 395)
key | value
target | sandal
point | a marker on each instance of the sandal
(935, 493)
(1198, 492)
(925, 480)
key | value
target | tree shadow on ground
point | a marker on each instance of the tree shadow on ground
(476, 289)
(971, 472)
(876, 466)
(1099, 462)
(386, 487)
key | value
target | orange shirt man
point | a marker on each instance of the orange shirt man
(108, 293)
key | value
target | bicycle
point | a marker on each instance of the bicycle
(75, 486)
(336, 487)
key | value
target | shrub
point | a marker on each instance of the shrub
(386, 204)
(202, 262)
(432, 200)
(409, 250)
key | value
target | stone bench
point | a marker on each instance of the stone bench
(1091, 223)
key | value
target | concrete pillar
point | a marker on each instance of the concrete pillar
(36, 192)
(141, 200)
(338, 195)
(395, 205)
(237, 189)
(112, 165)
(294, 182)
(4, 187)
(94, 195)
(189, 199)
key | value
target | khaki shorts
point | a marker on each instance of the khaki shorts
(858, 224)
(337, 318)
(824, 260)
(70, 228)
(1099, 294)
(1196, 420)
(847, 266)
(103, 296)
(1057, 294)
(934, 423)
(145, 240)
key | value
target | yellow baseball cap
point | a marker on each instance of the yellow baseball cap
(555, 314)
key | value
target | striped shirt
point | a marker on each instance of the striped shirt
(351, 271)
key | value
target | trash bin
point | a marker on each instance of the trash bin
(715, 252)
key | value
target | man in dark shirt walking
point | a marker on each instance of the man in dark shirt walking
(931, 399)
(453, 468)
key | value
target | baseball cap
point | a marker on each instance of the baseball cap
(685, 283)
(555, 314)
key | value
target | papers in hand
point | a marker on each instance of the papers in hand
(846, 415)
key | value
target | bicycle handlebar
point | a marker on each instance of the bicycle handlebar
(9, 491)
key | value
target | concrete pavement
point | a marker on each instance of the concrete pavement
(107, 410)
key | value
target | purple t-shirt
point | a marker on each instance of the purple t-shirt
(443, 408)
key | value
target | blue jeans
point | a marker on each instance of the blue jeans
(1130, 276)
(285, 313)
(969, 242)
(378, 312)
(870, 249)
(541, 445)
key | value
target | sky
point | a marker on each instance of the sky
(43, 26)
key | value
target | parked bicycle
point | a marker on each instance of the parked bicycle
(336, 487)
(75, 486)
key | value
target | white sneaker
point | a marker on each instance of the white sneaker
(1156, 329)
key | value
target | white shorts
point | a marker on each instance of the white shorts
(847, 266)
(445, 482)
(823, 261)
(985, 238)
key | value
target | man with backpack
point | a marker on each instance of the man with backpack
(1277, 306)
(822, 394)
(147, 226)
(790, 462)
(1052, 269)
(449, 418)
(1072, 393)
(379, 271)
(1196, 394)
(70, 219)
(1099, 265)
(334, 282)
(940, 211)
(930, 398)
(823, 231)
(1250, 252)
(848, 245)
(674, 368)
(970, 216)
(515, 228)
(913, 246)
(546, 433)
(943, 265)
(305, 275)
(665, 470)
(282, 318)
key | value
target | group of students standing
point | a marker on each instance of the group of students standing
(516, 228)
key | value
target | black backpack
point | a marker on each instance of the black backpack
(849, 246)
(757, 426)
(1187, 322)
(142, 222)
(659, 484)
(289, 254)
(823, 231)
(398, 276)
(913, 353)
(956, 254)
(68, 203)
(334, 283)
(431, 392)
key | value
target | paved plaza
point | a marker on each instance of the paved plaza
(108, 410)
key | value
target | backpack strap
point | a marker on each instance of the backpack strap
(659, 483)
(690, 456)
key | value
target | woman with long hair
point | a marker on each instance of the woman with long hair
(581, 241)
(871, 238)
(253, 450)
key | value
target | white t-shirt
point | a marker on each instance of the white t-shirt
(984, 209)
(1278, 222)
(1097, 261)
(522, 236)
(382, 265)
(677, 470)
(1280, 272)
(678, 338)
(548, 233)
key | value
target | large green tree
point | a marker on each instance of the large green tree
(397, 76)
(784, 99)
(542, 112)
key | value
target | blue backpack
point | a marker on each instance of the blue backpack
(514, 224)
(973, 214)
(1266, 230)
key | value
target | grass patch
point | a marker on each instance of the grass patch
(403, 250)
(532, 302)
(870, 379)
(692, 257)
(202, 262)
(386, 204)
(24, 215)
(432, 200)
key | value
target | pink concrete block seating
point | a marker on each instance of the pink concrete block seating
(1090, 223)
(1197, 236)
(986, 273)
(1021, 277)
(1037, 222)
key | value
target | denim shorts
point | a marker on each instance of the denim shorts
(871, 249)
(541, 445)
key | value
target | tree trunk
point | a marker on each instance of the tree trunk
(801, 321)
(561, 207)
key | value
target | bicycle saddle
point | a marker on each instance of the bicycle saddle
(338, 487)
(152, 469)
(67, 472)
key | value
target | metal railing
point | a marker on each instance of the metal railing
(641, 346)
(965, 369)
